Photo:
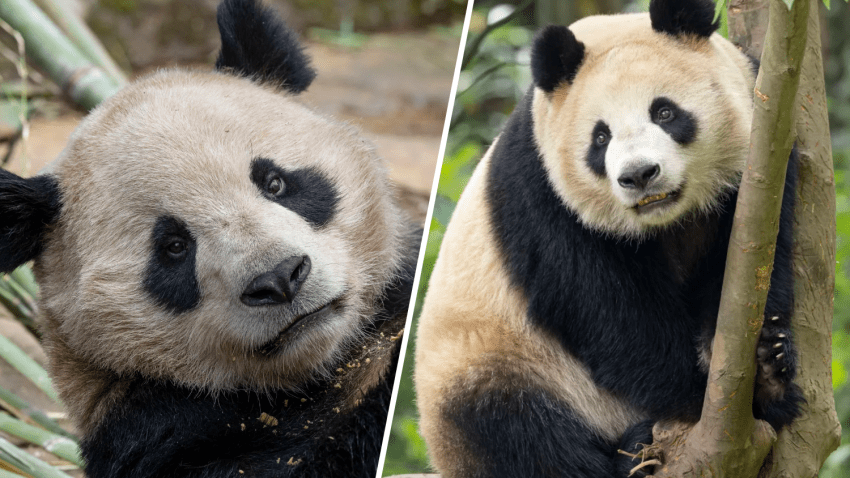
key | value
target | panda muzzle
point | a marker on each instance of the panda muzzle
(278, 286)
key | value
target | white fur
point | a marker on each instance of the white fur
(626, 66)
(180, 144)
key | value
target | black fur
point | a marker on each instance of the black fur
(632, 312)
(307, 192)
(527, 433)
(596, 152)
(256, 43)
(555, 57)
(27, 208)
(170, 279)
(162, 429)
(633, 441)
(682, 126)
(755, 63)
(683, 17)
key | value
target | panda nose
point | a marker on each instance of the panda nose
(278, 286)
(639, 177)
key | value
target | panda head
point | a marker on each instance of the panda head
(641, 119)
(207, 228)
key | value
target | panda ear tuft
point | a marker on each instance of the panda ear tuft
(683, 17)
(257, 44)
(555, 57)
(27, 208)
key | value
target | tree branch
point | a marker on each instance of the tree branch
(801, 450)
(728, 441)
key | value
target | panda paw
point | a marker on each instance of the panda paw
(777, 358)
(632, 443)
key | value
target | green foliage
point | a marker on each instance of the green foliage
(838, 464)
(721, 12)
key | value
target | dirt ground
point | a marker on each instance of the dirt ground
(395, 87)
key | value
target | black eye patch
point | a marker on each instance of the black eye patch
(599, 140)
(306, 191)
(170, 276)
(678, 123)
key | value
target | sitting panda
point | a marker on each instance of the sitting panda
(224, 273)
(574, 301)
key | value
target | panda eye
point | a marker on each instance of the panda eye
(176, 248)
(664, 115)
(601, 138)
(275, 186)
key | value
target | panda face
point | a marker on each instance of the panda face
(204, 243)
(646, 133)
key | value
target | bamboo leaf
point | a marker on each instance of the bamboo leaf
(719, 8)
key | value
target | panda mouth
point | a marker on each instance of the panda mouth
(298, 327)
(657, 201)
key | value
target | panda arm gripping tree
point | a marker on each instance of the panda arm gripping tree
(224, 273)
(596, 320)
(802, 447)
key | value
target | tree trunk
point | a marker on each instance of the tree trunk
(801, 450)
(728, 441)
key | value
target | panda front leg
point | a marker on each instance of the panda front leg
(777, 398)
(507, 432)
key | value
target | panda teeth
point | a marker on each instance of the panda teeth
(649, 199)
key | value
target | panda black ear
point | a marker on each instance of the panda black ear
(683, 17)
(27, 208)
(555, 57)
(257, 44)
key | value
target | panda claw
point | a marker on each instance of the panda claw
(775, 353)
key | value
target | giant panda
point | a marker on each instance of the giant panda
(574, 299)
(224, 272)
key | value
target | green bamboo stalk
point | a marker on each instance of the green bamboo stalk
(58, 445)
(22, 294)
(27, 366)
(8, 474)
(37, 416)
(49, 49)
(20, 289)
(26, 462)
(12, 303)
(23, 275)
(82, 36)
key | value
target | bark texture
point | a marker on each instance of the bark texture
(748, 25)
(728, 441)
(801, 450)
